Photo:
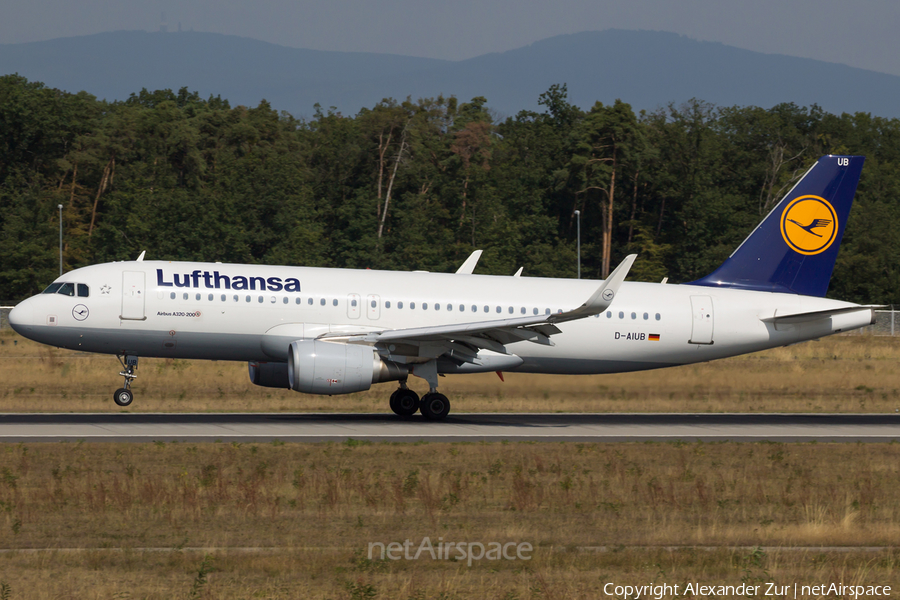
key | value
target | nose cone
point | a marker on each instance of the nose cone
(22, 317)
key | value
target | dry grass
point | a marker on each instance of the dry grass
(837, 374)
(320, 505)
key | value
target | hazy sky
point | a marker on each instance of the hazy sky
(862, 33)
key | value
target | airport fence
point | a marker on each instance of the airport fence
(887, 322)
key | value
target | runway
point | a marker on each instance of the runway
(545, 427)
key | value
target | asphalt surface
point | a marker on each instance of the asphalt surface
(555, 427)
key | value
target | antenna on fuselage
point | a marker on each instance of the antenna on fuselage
(468, 267)
(141, 257)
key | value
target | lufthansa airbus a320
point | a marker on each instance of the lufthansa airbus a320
(338, 331)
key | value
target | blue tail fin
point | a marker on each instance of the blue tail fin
(794, 249)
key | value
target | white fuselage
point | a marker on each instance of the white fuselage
(194, 310)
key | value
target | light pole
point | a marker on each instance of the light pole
(59, 206)
(578, 226)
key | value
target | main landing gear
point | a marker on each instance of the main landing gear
(434, 406)
(404, 401)
(123, 395)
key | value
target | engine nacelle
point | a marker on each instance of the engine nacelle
(269, 374)
(317, 367)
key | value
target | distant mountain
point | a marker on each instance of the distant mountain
(647, 69)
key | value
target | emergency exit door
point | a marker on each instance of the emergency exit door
(702, 326)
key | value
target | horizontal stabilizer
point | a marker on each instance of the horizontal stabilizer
(817, 315)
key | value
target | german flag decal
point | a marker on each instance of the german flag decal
(654, 337)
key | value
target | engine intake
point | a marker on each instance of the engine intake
(317, 367)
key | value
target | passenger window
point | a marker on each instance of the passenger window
(172, 295)
(474, 308)
(322, 302)
(424, 306)
(374, 304)
(248, 299)
(224, 297)
(523, 310)
(462, 308)
(285, 299)
(657, 316)
(499, 310)
(400, 305)
(634, 315)
(236, 299)
(185, 296)
(437, 306)
(297, 301)
(487, 308)
(310, 301)
(609, 314)
(52, 288)
(334, 302)
(621, 315)
(83, 291)
(387, 303)
(546, 311)
(273, 299)
(646, 316)
(353, 303)
(412, 305)
(536, 311)
(260, 299)
(67, 289)
(449, 306)
(510, 310)
(197, 296)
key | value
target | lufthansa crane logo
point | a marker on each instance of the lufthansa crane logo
(809, 224)
(80, 312)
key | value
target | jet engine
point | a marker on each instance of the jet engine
(317, 367)
(269, 374)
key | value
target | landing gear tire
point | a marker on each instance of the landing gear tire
(405, 402)
(123, 397)
(435, 406)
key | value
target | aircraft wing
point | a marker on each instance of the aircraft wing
(461, 341)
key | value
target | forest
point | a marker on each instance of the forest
(419, 184)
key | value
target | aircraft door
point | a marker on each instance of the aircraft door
(353, 301)
(702, 325)
(373, 306)
(132, 296)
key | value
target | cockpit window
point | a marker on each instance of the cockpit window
(51, 289)
(83, 291)
(67, 289)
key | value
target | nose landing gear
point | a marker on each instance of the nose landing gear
(123, 395)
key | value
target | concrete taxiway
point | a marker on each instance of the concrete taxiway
(555, 427)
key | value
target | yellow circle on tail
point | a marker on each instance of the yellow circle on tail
(809, 224)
